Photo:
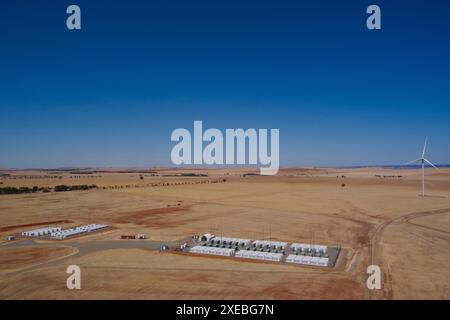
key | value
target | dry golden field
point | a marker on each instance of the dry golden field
(379, 220)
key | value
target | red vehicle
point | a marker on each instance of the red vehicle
(128, 237)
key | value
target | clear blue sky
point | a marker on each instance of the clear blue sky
(111, 94)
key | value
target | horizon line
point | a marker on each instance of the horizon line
(193, 167)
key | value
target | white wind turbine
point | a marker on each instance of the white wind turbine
(423, 160)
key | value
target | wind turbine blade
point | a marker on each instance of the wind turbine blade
(424, 147)
(430, 163)
(414, 161)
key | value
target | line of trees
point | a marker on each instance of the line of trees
(59, 188)
(163, 184)
(380, 176)
(63, 188)
(14, 190)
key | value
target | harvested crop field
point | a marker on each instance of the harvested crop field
(375, 220)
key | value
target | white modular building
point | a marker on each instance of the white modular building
(41, 231)
(268, 256)
(207, 237)
(212, 251)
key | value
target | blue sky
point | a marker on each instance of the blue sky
(112, 93)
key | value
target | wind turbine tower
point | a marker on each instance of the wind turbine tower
(423, 160)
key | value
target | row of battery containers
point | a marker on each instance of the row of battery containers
(62, 234)
(214, 251)
(307, 260)
(269, 256)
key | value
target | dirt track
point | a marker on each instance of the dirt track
(84, 248)
(387, 291)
